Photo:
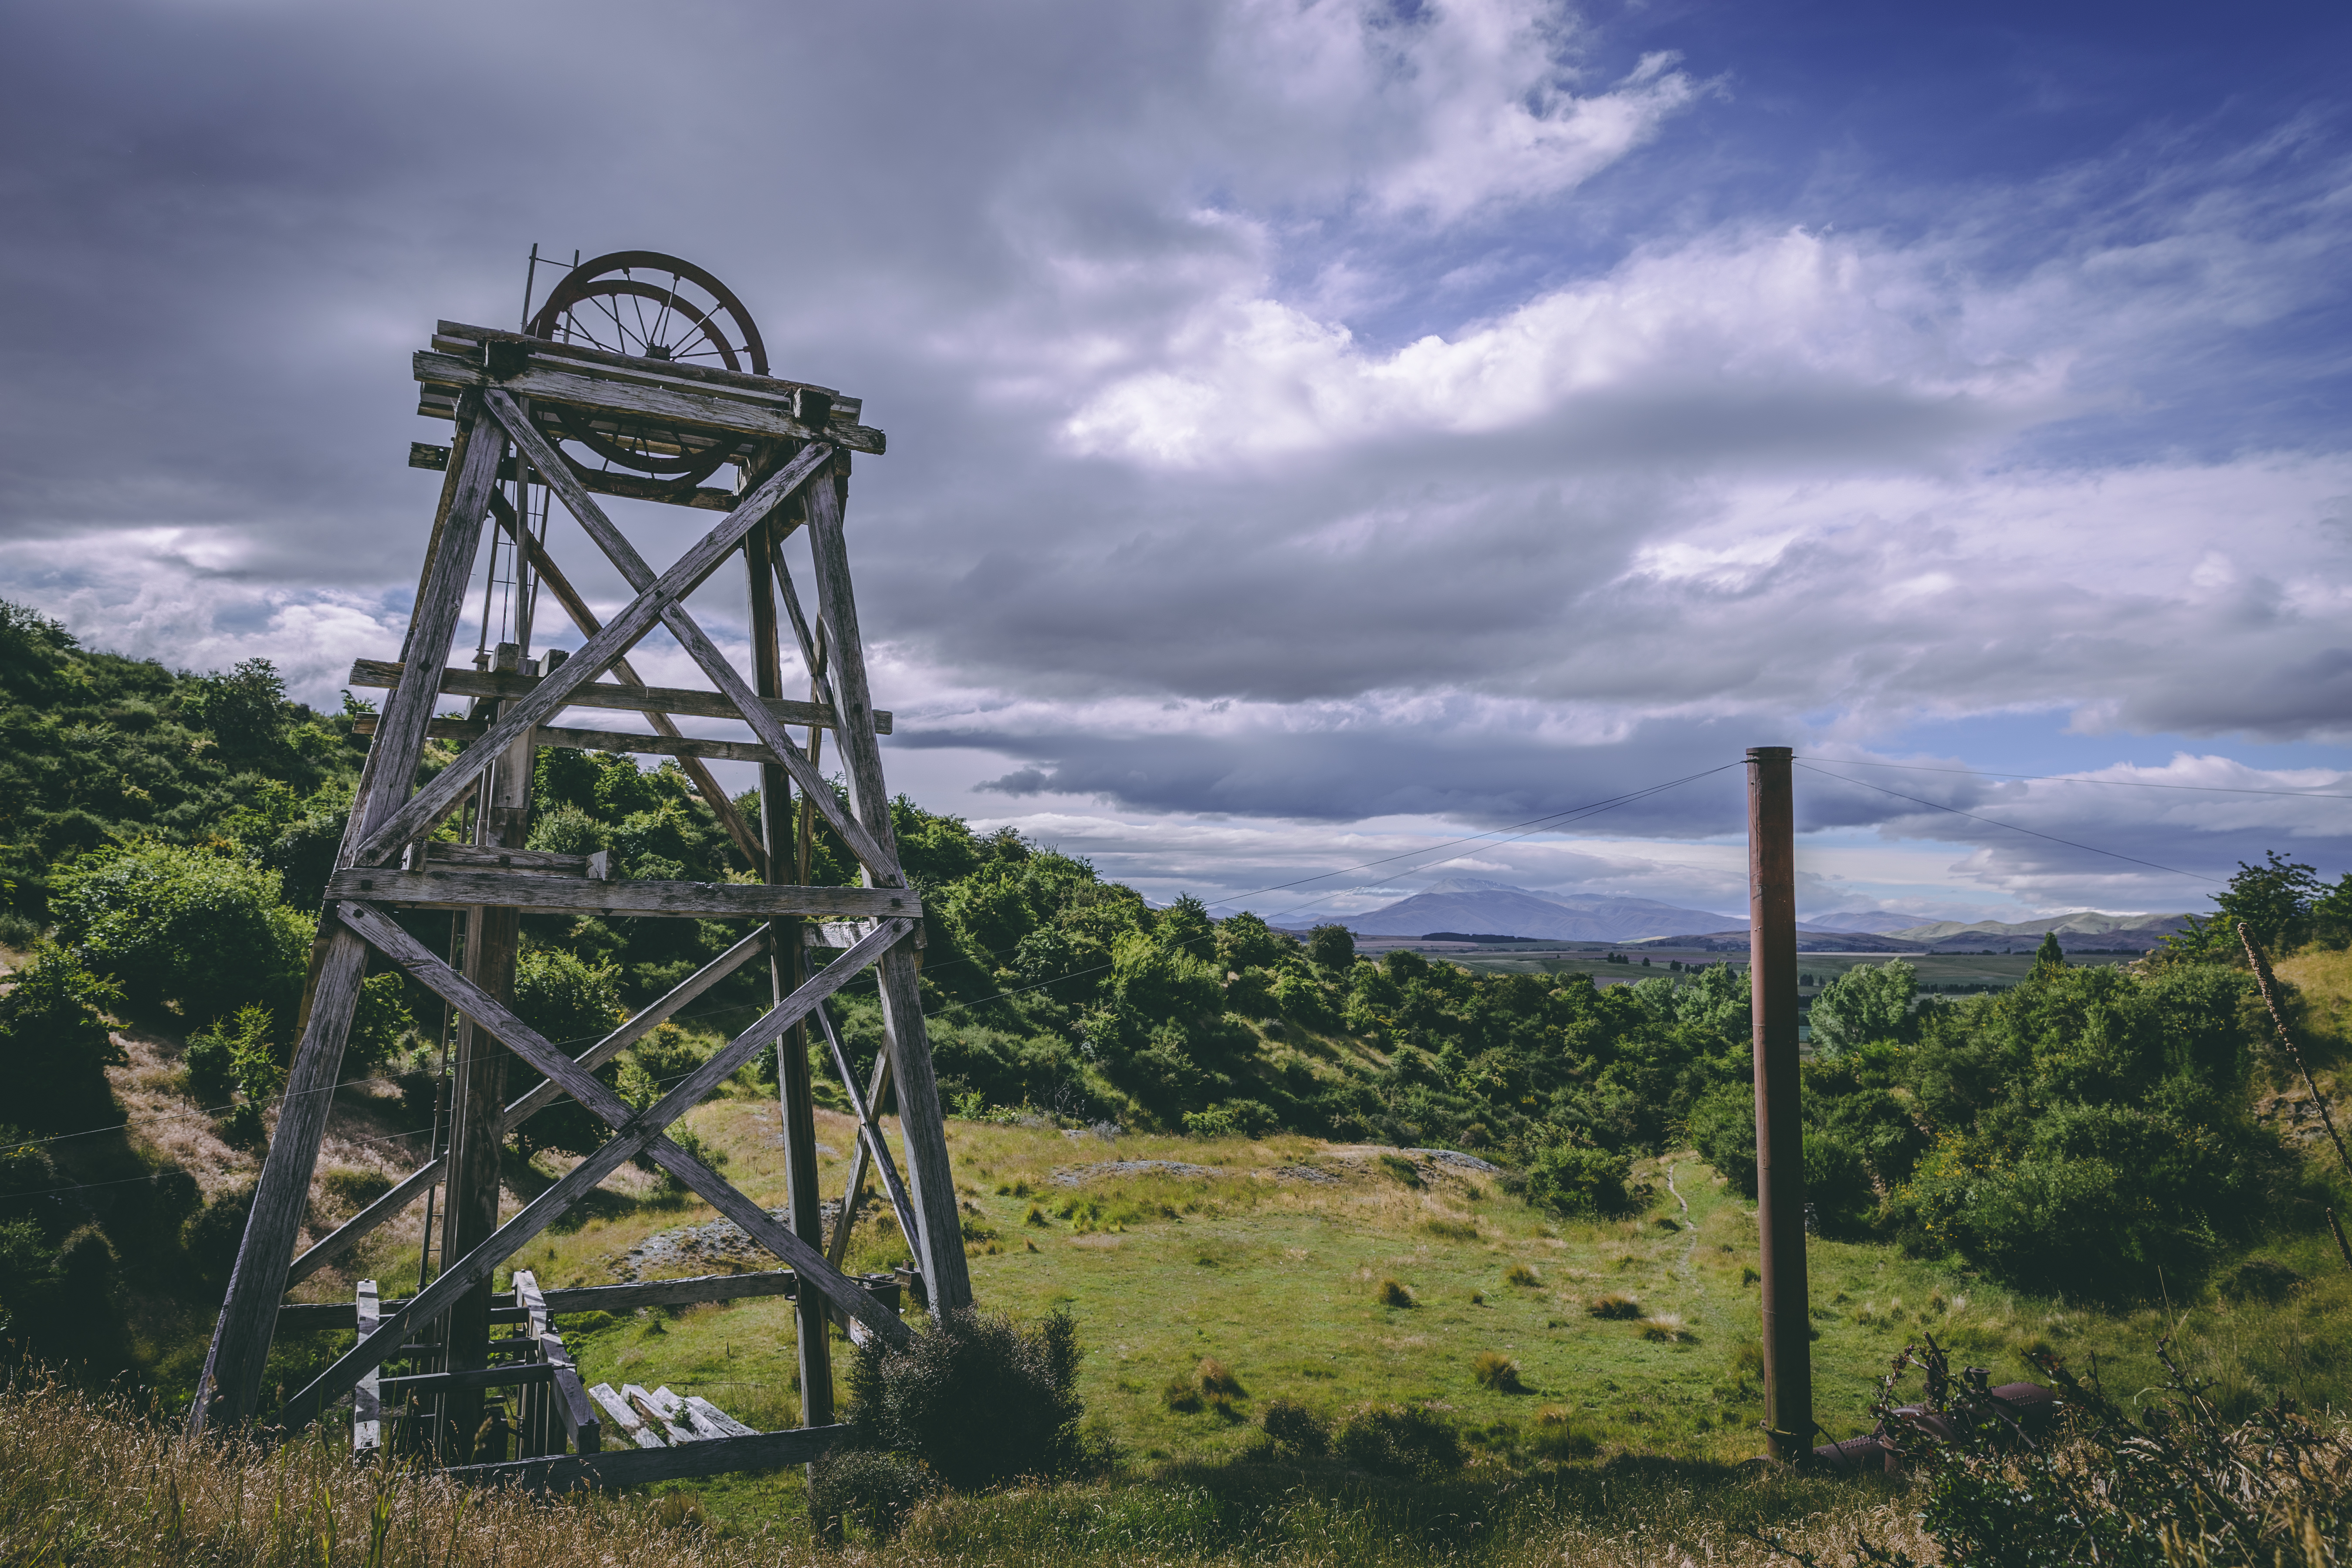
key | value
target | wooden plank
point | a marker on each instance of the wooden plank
(551, 576)
(690, 637)
(721, 1424)
(871, 1145)
(623, 740)
(348, 1235)
(541, 1095)
(435, 852)
(546, 379)
(640, 1131)
(240, 1344)
(428, 805)
(843, 933)
(705, 900)
(309, 1316)
(367, 1399)
(782, 388)
(634, 487)
(515, 1375)
(939, 1245)
(795, 1096)
(625, 1416)
(638, 1467)
(675, 1429)
(383, 673)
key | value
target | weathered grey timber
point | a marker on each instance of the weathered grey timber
(464, 338)
(791, 441)
(367, 1399)
(871, 1145)
(384, 673)
(311, 1316)
(769, 494)
(634, 1466)
(233, 1363)
(541, 1096)
(457, 888)
(650, 606)
(545, 378)
(633, 1131)
(551, 576)
(938, 1241)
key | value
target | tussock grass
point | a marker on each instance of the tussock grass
(1614, 1306)
(1496, 1371)
(1392, 1293)
(1520, 1274)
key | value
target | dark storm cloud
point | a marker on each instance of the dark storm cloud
(1140, 294)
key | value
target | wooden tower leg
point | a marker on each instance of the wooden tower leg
(795, 1095)
(232, 1364)
(922, 1129)
(493, 937)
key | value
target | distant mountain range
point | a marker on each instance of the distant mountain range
(2086, 931)
(1476, 904)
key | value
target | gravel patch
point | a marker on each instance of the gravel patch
(1072, 1177)
(1457, 1159)
(1307, 1173)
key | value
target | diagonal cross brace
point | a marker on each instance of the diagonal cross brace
(412, 1186)
(591, 517)
(428, 805)
(638, 1131)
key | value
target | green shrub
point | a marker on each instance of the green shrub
(877, 1490)
(1297, 1430)
(234, 1053)
(213, 1232)
(1572, 1177)
(63, 1299)
(974, 1396)
(1405, 1440)
(1723, 1130)
(1231, 1117)
(55, 1048)
(184, 927)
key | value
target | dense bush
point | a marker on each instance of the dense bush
(1572, 1177)
(2093, 1128)
(974, 1396)
(184, 927)
(875, 1490)
(54, 1047)
(1405, 1440)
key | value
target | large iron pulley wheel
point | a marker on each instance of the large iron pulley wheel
(651, 306)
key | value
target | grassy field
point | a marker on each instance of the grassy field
(1273, 1257)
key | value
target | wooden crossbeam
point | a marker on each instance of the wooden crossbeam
(636, 1131)
(367, 1399)
(634, 1466)
(622, 740)
(310, 1316)
(458, 888)
(871, 1144)
(543, 1095)
(545, 378)
(384, 674)
(428, 805)
(464, 338)
(881, 865)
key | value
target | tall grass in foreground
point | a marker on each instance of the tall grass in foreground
(92, 1480)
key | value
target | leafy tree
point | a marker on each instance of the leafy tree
(243, 709)
(1868, 1002)
(1332, 948)
(1246, 941)
(184, 927)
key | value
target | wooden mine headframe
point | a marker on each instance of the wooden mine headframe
(652, 371)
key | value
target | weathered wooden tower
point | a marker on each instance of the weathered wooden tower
(642, 377)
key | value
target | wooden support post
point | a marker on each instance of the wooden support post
(1779, 1134)
(477, 1120)
(367, 1402)
(939, 1246)
(795, 1095)
(232, 1364)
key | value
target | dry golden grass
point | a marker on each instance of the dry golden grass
(91, 1481)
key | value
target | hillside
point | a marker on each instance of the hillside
(2085, 931)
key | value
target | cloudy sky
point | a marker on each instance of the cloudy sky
(1330, 443)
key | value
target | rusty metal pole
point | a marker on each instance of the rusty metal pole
(1780, 1136)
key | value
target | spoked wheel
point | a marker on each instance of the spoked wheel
(643, 303)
